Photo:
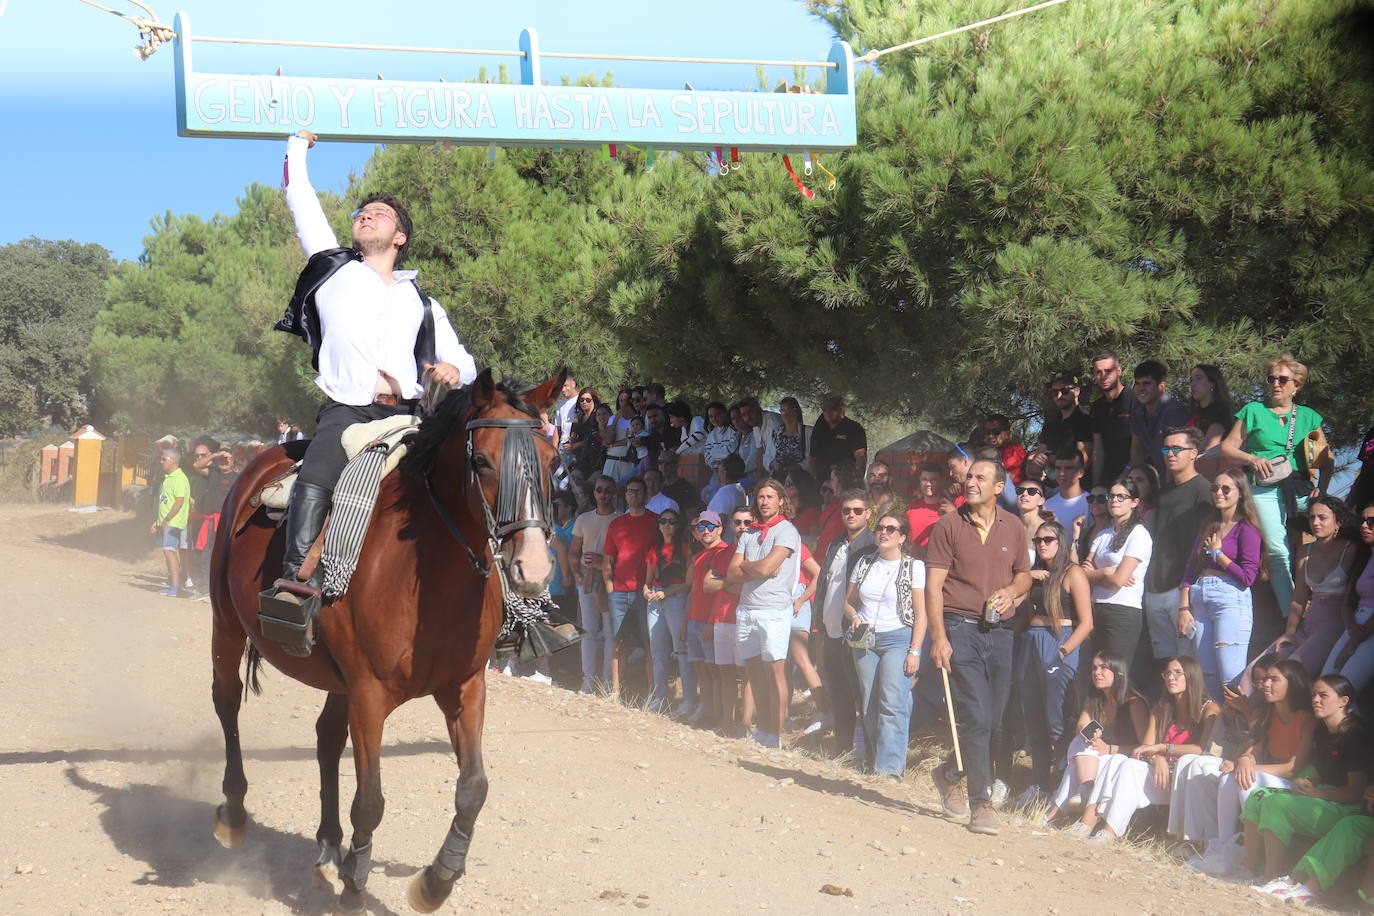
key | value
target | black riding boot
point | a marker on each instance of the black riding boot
(288, 612)
(304, 520)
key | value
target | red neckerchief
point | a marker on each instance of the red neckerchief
(762, 529)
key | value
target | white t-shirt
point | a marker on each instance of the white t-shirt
(726, 500)
(1139, 545)
(592, 529)
(658, 502)
(878, 593)
(567, 411)
(1066, 510)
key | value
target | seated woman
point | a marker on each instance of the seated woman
(1353, 654)
(1053, 624)
(1113, 721)
(1344, 845)
(1206, 800)
(1323, 575)
(1179, 725)
(887, 596)
(1274, 819)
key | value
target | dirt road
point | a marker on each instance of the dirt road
(110, 762)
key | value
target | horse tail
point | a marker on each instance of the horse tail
(251, 681)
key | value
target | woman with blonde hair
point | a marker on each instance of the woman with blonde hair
(1268, 439)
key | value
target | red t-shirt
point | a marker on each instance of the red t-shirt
(703, 604)
(724, 609)
(807, 521)
(832, 526)
(1014, 460)
(921, 518)
(802, 577)
(628, 539)
(651, 557)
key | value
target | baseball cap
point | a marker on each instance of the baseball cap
(706, 515)
(1064, 377)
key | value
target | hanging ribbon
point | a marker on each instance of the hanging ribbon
(806, 162)
(491, 155)
(805, 191)
(611, 149)
(830, 176)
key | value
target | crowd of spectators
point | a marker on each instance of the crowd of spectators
(191, 488)
(1110, 570)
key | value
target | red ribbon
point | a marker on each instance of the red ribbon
(806, 192)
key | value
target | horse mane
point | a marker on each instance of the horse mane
(452, 411)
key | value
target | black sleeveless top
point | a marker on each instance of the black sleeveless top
(1038, 608)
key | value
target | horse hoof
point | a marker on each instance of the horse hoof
(418, 901)
(350, 903)
(229, 837)
(326, 875)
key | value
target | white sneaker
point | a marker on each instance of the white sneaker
(539, 678)
(820, 723)
(999, 793)
(765, 739)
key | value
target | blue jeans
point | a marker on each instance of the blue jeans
(1224, 619)
(1273, 517)
(885, 693)
(666, 619)
(627, 617)
(980, 681)
(1045, 683)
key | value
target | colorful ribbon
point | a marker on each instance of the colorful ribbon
(832, 181)
(806, 192)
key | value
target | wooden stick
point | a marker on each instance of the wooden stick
(953, 728)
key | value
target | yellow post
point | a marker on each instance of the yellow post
(86, 477)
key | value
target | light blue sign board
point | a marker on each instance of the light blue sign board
(524, 114)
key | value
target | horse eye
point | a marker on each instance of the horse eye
(480, 461)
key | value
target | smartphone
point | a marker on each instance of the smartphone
(1091, 731)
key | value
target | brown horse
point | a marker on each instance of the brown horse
(420, 617)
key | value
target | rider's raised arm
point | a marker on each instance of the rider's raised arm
(447, 347)
(312, 228)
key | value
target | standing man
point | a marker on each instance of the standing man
(836, 439)
(1153, 413)
(766, 568)
(923, 512)
(567, 410)
(1111, 416)
(1173, 524)
(1066, 425)
(678, 489)
(628, 539)
(173, 512)
(977, 565)
(372, 332)
(838, 562)
(588, 540)
(1070, 502)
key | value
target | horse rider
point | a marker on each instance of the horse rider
(373, 334)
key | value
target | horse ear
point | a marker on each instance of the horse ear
(483, 390)
(541, 397)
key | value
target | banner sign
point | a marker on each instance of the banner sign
(519, 114)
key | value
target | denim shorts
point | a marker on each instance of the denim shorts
(801, 621)
(698, 651)
(174, 538)
(628, 621)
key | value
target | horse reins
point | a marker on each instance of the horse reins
(520, 482)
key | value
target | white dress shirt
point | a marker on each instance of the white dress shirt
(369, 326)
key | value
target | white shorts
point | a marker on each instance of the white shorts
(763, 634)
(723, 643)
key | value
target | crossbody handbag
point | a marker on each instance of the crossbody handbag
(1281, 468)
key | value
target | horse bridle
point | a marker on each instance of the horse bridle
(522, 485)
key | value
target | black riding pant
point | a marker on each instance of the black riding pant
(324, 457)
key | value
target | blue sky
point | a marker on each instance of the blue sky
(91, 150)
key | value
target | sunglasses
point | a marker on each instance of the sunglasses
(1096, 498)
(850, 510)
(1175, 449)
(668, 521)
(1061, 392)
(887, 529)
(1367, 521)
(1222, 489)
(704, 526)
(1051, 539)
(1119, 497)
(741, 523)
(1278, 379)
(1029, 491)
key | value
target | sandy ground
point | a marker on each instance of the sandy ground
(110, 762)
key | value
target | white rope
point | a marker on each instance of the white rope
(871, 56)
(349, 47)
(153, 32)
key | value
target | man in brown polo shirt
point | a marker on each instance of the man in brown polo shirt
(978, 557)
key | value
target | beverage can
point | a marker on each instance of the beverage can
(990, 615)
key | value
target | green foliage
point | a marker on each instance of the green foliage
(49, 295)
